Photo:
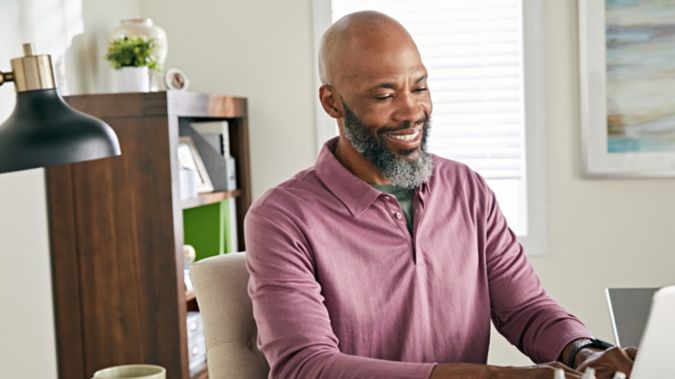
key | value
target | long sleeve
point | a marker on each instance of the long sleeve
(294, 326)
(521, 309)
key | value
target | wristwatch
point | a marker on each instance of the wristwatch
(584, 343)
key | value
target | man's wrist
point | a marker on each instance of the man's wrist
(580, 349)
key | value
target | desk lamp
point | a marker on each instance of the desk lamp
(43, 130)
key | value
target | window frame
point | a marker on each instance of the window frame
(536, 240)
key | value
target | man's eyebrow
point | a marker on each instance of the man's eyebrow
(387, 85)
(392, 85)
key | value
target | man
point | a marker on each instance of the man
(383, 261)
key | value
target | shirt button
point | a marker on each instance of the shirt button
(398, 215)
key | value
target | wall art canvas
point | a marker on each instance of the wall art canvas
(627, 70)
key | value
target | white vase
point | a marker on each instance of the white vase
(132, 79)
(144, 27)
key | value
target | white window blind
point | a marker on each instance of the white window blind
(473, 51)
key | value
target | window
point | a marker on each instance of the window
(485, 77)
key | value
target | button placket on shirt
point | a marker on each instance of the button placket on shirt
(395, 211)
(418, 205)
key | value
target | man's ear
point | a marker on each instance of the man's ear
(329, 101)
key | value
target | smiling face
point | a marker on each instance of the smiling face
(374, 80)
(406, 168)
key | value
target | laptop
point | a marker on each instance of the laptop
(629, 310)
(655, 343)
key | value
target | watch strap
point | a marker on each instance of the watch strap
(586, 343)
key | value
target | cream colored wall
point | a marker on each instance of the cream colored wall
(100, 18)
(259, 49)
(27, 348)
(26, 320)
(603, 233)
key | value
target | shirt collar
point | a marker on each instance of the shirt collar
(353, 192)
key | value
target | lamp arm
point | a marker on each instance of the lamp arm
(6, 77)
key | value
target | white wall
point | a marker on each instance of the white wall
(26, 320)
(100, 18)
(259, 49)
(28, 349)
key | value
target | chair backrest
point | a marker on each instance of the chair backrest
(220, 284)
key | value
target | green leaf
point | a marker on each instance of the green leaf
(133, 52)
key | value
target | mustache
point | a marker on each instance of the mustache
(424, 121)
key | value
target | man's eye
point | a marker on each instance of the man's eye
(421, 89)
(383, 97)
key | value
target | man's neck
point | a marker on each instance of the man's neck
(357, 164)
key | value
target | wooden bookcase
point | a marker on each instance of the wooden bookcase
(116, 231)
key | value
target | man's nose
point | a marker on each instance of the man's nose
(408, 109)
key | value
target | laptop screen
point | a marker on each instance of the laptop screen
(629, 311)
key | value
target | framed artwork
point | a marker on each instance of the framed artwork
(189, 158)
(627, 72)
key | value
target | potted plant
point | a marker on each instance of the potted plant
(133, 58)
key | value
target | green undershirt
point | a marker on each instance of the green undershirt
(404, 197)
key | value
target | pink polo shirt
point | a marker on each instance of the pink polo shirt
(341, 289)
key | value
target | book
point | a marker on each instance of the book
(204, 229)
(212, 142)
(230, 227)
(217, 133)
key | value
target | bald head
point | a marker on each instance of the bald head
(354, 35)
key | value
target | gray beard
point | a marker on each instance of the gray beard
(399, 170)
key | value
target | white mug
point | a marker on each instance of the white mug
(137, 371)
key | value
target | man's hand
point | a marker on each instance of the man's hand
(607, 362)
(471, 371)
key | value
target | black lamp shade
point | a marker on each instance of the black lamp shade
(43, 131)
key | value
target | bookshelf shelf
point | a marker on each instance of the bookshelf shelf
(117, 232)
(209, 198)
